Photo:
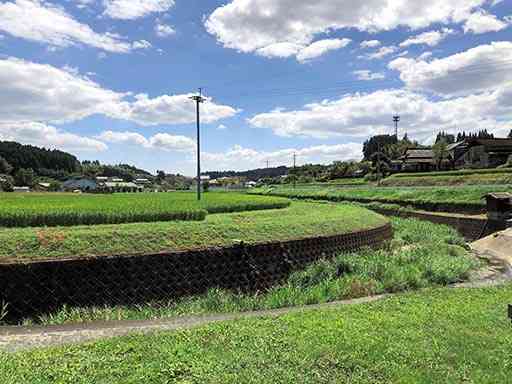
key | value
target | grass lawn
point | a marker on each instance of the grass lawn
(434, 336)
(300, 220)
(462, 177)
(421, 255)
(428, 197)
(53, 209)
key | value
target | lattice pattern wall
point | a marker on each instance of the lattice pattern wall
(42, 287)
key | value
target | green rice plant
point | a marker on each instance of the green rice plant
(60, 209)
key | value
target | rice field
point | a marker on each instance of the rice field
(65, 209)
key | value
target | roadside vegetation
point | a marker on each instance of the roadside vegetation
(421, 255)
(450, 199)
(300, 220)
(433, 336)
(65, 209)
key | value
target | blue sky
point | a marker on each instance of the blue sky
(110, 79)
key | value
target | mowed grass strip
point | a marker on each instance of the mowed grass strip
(435, 336)
(435, 198)
(300, 220)
(65, 209)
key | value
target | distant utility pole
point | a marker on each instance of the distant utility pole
(198, 99)
(268, 164)
(294, 173)
(396, 119)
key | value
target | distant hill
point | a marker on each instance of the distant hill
(57, 164)
(254, 174)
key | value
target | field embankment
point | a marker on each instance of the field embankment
(65, 209)
(466, 199)
(300, 220)
(498, 176)
(421, 255)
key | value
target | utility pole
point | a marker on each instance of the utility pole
(294, 173)
(396, 119)
(198, 99)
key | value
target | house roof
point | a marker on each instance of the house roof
(492, 142)
(419, 154)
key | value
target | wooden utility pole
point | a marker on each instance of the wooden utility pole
(198, 99)
(294, 170)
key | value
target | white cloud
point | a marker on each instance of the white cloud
(477, 69)
(425, 55)
(142, 44)
(48, 136)
(222, 127)
(134, 9)
(253, 25)
(482, 22)
(367, 75)
(382, 52)
(163, 141)
(431, 38)
(240, 158)
(164, 30)
(320, 47)
(171, 109)
(40, 92)
(303, 53)
(43, 22)
(358, 116)
(369, 44)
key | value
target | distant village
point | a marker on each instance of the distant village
(383, 155)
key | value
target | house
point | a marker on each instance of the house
(485, 153)
(418, 160)
(101, 179)
(84, 185)
(21, 189)
(142, 181)
(112, 186)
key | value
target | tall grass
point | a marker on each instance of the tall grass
(422, 254)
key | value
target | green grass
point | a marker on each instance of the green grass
(65, 209)
(460, 172)
(466, 198)
(435, 336)
(421, 255)
(300, 220)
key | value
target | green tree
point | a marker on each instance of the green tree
(441, 152)
(24, 177)
(5, 167)
(510, 134)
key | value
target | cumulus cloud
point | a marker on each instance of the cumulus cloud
(370, 44)
(43, 22)
(368, 75)
(253, 25)
(241, 158)
(163, 141)
(164, 30)
(380, 53)
(41, 92)
(171, 109)
(320, 47)
(134, 9)
(425, 55)
(477, 69)
(48, 136)
(482, 22)
(360, 115)
(431, 38)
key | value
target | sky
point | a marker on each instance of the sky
(111, 80)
